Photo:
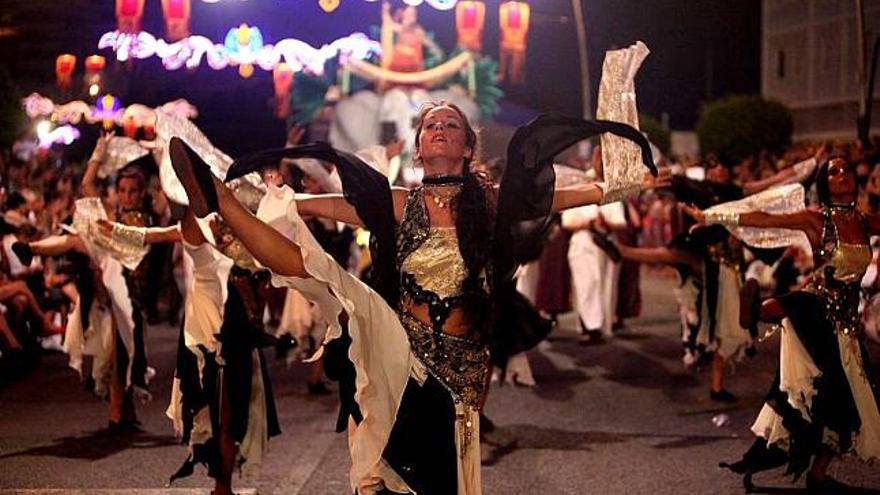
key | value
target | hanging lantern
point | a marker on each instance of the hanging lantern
(64, 67)
(513, 19)
(469, 19)
(107, 108)
(95, 63)
(177, 14)
(129, 126)
(128, 15)
(282, 79)
(150, 128)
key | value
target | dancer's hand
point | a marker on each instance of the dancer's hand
(663, 179)
(695, 213)
(104, 226)
(295, 134)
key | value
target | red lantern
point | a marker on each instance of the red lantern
(128, 15)
(513, 18)
(95, 63)
(177, 13)
(150, 128)
(469, 19)
(64, 66)
(129, 126)
(282, 79)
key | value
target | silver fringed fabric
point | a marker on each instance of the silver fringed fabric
(169, 125)
(121, 151)
(621, 158)
(125, 244)
(783, 199)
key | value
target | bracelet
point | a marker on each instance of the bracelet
(725, 218)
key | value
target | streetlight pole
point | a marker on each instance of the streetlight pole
(577, 8)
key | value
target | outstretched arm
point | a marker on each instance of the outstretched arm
(595, 193)
(336, 207)
(152, 235)
(90, 176)
(807, 221)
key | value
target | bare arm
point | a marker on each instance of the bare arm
(336, 207)
(807, 221)
(156, 235)
(332, 206)
(152, 235)
(590, 194)
(573, 196)
(90, 176)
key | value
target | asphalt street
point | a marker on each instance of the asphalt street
(620, 418)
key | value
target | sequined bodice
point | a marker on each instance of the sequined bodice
(437, 265)
(846, 262)
(432, 270)
(839, 269)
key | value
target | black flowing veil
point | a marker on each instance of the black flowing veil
(524, 212)
(523, 215)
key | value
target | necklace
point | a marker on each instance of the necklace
(443, 195)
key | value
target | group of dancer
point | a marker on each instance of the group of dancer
(413, 343)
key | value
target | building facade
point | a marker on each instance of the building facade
(810, 63)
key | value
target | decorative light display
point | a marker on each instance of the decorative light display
(190, 51)
(331, 5)
(437, 4)
(74, 112)
(107, 109)
(177, 14)
(128, 15)
(513, 18)
(47, 136)
(469, 19)
(64, 67)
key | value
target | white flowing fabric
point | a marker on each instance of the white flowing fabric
(380, 352)
(731, 339)
(797, 371)
(110, 257)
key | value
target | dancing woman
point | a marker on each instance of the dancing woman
(824, 400)
(444, 255)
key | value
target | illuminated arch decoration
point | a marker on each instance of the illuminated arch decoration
(36, 106)
(244, 46)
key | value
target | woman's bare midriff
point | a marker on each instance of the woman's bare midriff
(456, 325)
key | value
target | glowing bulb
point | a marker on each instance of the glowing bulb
(94, 89)
(44, 127)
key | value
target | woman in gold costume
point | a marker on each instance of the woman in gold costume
(824, 400)
(443, 258)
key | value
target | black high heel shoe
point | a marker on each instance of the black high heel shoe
(195, 176)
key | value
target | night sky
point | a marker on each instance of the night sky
(700, 50)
